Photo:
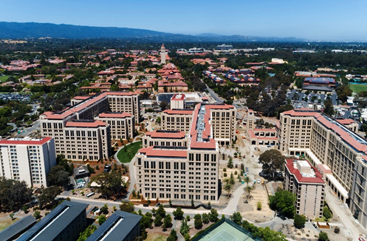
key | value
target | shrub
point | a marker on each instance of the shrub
(224, 169)
(326, 212)
(225, 174)
(299, 221)
(235, 173)
(336, 229)
(323, 237)
(259, 205)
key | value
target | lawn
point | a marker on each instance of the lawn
(4, 78)
(128, 152)
(358, 88)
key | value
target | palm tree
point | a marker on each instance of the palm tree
(247, 179)
(248, 189)
(228, 189)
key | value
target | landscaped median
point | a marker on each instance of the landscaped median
(127, 153)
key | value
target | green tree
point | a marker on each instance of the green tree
(247, 179)
(236, 218)
(37, 214)
(272, 160)
(110, 184)
(87, 232)
(101, 219)
(198, 222)
(158, 220)
(127, 206)
(58, 176)
(230, 162)
(228, 188)
(284, 202)
(326, 212)
(213, 215)
(104, 209)
(184, 227)
(172, 235)
(231, 179)
(48, 195)
(205, 218)
(343, 92)
(178, 214)
(161, 211)
(187, 237)
(167, 221)
(323, 237)
(299, 221)
(328, 109)
(248, 190)
(158, 120)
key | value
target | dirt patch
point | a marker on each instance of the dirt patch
(6, 223)
(157, 234)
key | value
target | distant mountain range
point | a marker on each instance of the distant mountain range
(15, 30)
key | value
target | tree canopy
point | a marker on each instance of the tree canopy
(284, 202)
(13, 194)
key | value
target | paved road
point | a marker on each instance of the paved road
(34, 127)
(344, 214)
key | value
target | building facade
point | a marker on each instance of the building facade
(77, 133)
(172, 165)
(176, 120)
(178, 101)
(306, 182)
(122, 124)
(335, 150)
(27, 160)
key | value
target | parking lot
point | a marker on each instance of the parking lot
(302, 99)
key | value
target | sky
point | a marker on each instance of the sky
(324, 20)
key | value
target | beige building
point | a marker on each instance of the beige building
(27, 160)
(178, 166)
(336, 151)
(178, 101)
(176, 120)
(307, 184)
(92, 138)
(122, 124)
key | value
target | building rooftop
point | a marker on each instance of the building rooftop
(117, 227)
(85, 123)
(166, 134)
(25, 141)
(114, 115)
(17, 228)
(179, 112)
(83, 104)
(178, 97)
(55, 222)
(303, 171)
(153, 152)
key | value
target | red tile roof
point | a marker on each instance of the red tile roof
(25, 142)
(114, 115)
(170, 135)
(346, 121)
(301, 179)
(84, 104)
(85, 124)
(178, 97)
(179, 112)
(151, 152)
(81, 97)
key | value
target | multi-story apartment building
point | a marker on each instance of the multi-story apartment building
(27, 160)
(306, 182)
(86, 140)
(335, 150)
(91, 134)
(165, 138)
(176, 120)
(172, 165)
(122, 124)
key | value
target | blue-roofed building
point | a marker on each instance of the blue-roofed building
(18, 228)
(121, 226)
(329, 82)
(65, 222)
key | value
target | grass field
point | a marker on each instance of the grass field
(6, 223)
(128, 152)
(358, 88)
(4, 78)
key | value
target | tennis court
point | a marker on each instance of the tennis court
(226, 232)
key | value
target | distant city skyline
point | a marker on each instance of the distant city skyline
(326, 20)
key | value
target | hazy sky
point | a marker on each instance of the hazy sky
(309, 19)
